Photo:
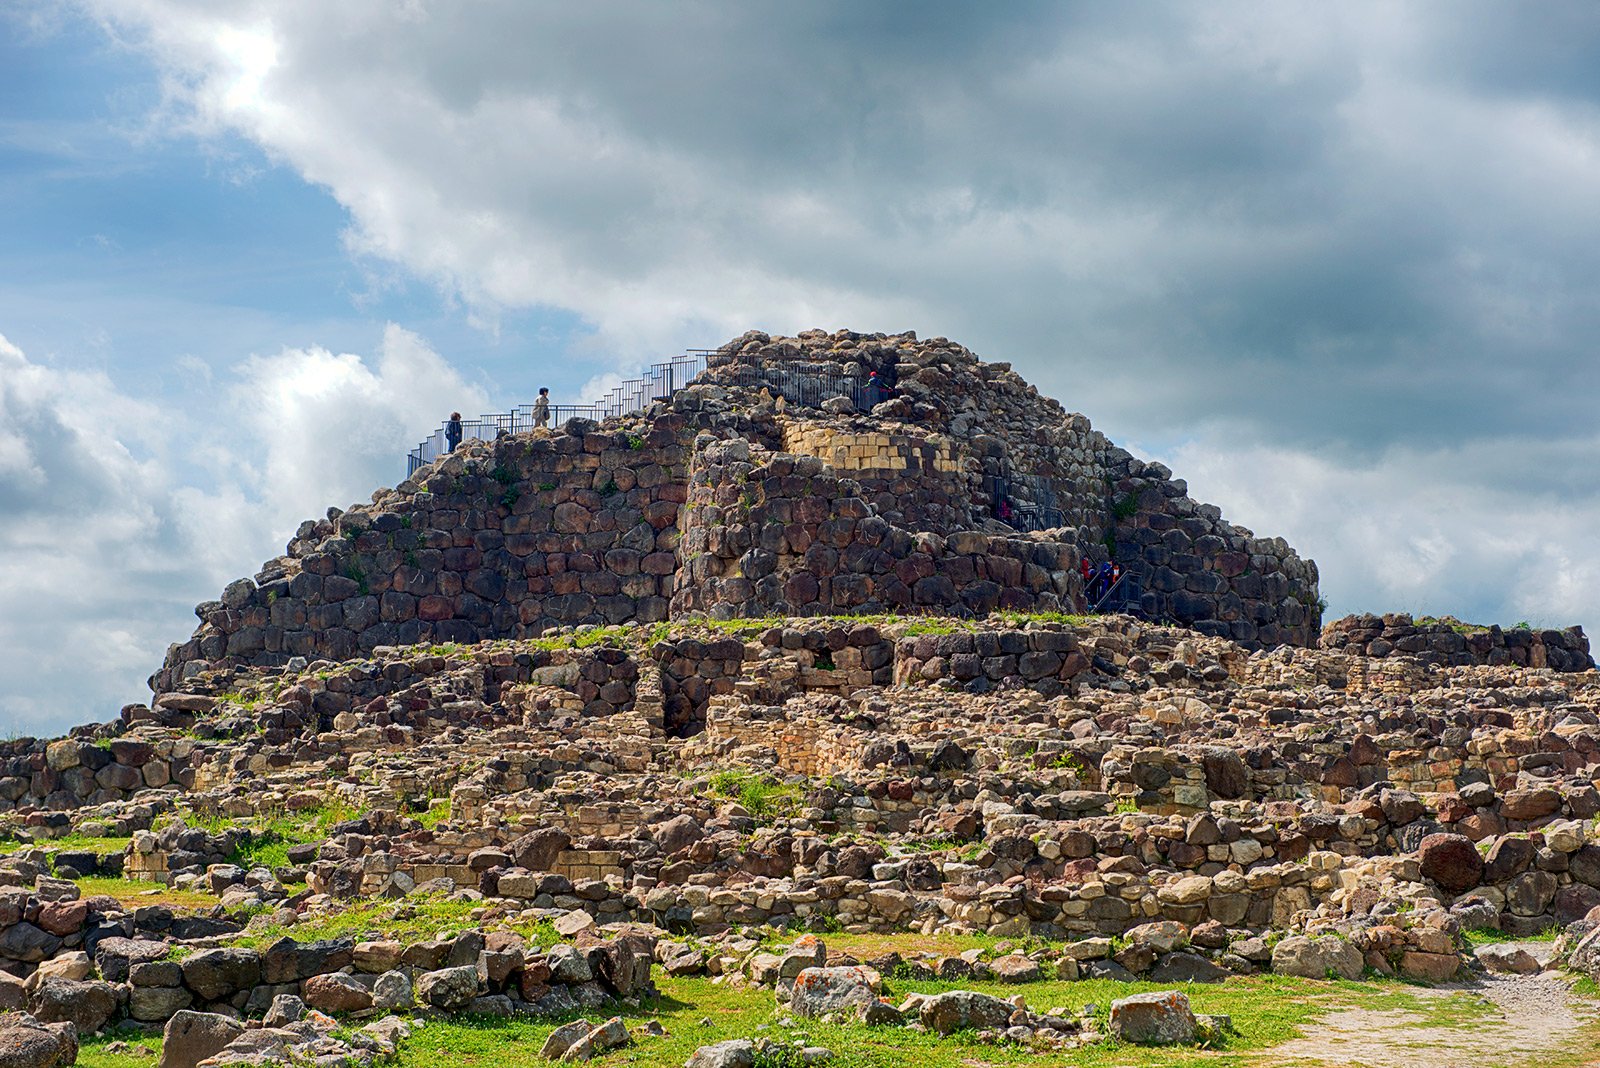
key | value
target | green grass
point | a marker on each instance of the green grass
(135, 893)
(1485, 936)
(762, 796)
(436, 813)
(410, 919)
(93, 1052)
(75, 842)
(1267, 1010)
(271, 834)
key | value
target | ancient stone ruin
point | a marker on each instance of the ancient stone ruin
(731, 500)
(705, 693)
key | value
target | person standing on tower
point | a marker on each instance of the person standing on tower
(452, 432)
(541, 408)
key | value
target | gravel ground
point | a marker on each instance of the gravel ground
(1526, 1020)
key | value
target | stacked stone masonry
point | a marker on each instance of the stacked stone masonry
(724, 501)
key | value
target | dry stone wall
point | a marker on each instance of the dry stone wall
(1204, 572)
(1449, 643)
(777, 534)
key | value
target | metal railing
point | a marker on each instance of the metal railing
(1123, 595)
(658, 383)
(1031, 500)
(803, 384)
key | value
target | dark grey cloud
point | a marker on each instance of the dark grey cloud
(1353, 244)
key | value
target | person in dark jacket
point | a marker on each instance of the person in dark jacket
(452, 432)
(1103, 587)
(877, 392)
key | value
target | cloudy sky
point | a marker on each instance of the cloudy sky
(1335, 264)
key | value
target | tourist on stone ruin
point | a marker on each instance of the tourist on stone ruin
(877, 392)
(1086, 569)
(452, 432)
(1004, 511)
(1103, 586)
(541, 408)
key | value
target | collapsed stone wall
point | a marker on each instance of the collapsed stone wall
(1201, 570)
(1449, 643)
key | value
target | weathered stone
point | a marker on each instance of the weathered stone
(732, 1053)
(214, 974)
(1318, 958)
(1451, 860)
(1162, 1018)
(448, 988)
(957, 1010)
(818, 992)
(336, 993)
(191, 1037)
(88, 1006)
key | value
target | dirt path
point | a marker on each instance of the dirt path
(1499, 1023)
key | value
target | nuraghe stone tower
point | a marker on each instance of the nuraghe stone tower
(772, 485)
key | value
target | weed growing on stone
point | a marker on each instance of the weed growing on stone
(762, 796)
(269, 835)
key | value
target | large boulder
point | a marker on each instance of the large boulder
(25, 942)
(1429, 967)
(1226, 773)
(29, 1043)
(1317, 958)
(448, 988)
(153, 1004)
(734, 1053)
(1451, 860)
(1162, 1018)
(191, 1037)
(116, 956)
(336, 992)
(1401, 807)
(1585, 956)
(1509, 857)
(680, 832)
(1529, 805)
(1512, 960)
(214, 974)
(537, 850)
(820, 991)
(563, 1038)
(1186, 968)
(958, 1010)
(88, 1006)
(624, 963)
(1015, 968)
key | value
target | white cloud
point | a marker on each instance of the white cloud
(1334, 193)
(1432, 532)
(117, 516)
